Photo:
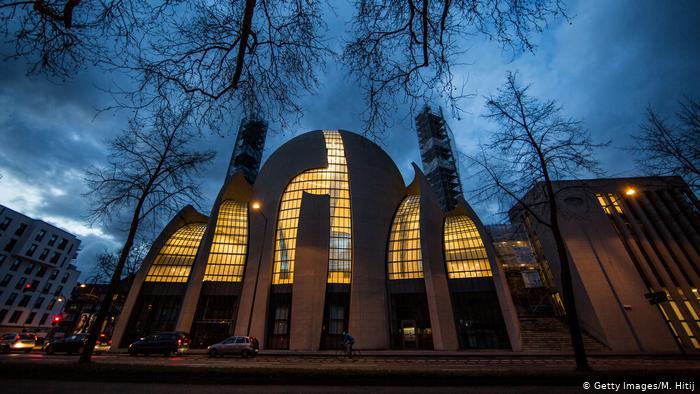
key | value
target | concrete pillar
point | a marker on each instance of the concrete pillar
(310, 273)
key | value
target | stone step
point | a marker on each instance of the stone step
(542, 334)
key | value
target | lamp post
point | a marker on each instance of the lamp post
(257, 207)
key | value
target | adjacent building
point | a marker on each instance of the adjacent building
(327, 239)
(36, 271)
(634, 246)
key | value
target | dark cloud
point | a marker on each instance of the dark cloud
(606, 67)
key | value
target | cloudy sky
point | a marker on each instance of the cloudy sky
(606, 67)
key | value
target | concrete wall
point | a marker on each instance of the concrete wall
(310, 273)
(376, 190)
(186, 216)
(608, 289)
(434, 271)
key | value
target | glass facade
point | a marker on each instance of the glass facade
(404, 257)
(228, 248)
(174, 260)
(332, 181)
(465, 254)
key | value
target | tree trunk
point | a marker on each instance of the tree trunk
(567, 285)
(106, 304)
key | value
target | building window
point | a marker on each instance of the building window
(175, 258)
(465, 254)
(35, 285)
(54, 258)
(39, 302)
(336, 320)
(65, 277)
(11, 299)
(15, 265)
(20, 230)
(40, 236)
(31, 250)
(6, 280)
(3, 313)
(54, 274)
(15, 317)
(30, 318)
(43, 255)
(62, 244)
(10, 245)
(2, 259)
(228, 248)
(5, 223)
(58, 291)
(609, 205)
(41, 272)
(332, 181)
(404, 257)
(29, 269)
(25, 300)
(281, 322)
(47, 288)
(43, 318)
(51, 304)
(20, 283)
(53, 239)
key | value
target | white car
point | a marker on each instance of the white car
(243, 346)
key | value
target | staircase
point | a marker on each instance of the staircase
(551, 335)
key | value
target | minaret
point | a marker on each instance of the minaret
(439, 164)
(250, 142)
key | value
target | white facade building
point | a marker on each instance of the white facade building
(36, 271)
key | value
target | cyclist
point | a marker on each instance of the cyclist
(348, 341)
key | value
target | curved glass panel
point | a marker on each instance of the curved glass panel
(465, 254)
(175, 258)
(404, 257)
(228, 248)
(333, 181)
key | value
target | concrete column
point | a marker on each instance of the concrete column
(310, 273)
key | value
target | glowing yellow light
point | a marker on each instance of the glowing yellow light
(256, 205)
(83, 285)
(630, 191)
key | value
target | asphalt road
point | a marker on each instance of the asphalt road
(363, 362)
(48, 386)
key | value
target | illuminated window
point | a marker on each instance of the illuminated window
(228, 248)
(608, 207)
(332, 181)
(404, 258)
(175, 258)
(465, 253)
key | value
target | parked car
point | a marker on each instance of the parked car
(243, 346)
(19, 341)
(76, 344)
(103, 344)
(70, 345)
(166, 343)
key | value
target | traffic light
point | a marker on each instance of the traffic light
(56, 319)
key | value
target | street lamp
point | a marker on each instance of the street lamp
(257, 207)
(630, 191)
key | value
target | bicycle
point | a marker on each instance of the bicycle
(344, 354)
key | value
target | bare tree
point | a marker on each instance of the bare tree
(667, 148)
(150, 173)
(61, 37)
(409, 48)
(533, 147)
(220, 56)
(106, 262)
